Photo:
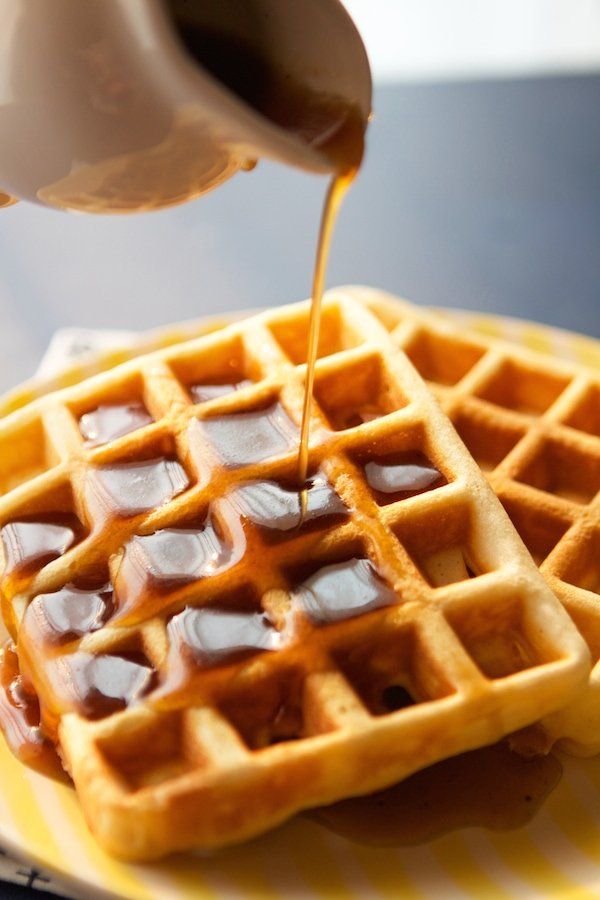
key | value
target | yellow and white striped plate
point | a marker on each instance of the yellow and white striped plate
(556, 855)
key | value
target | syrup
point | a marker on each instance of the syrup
(106, 423)
(215, 636)
(335, 194)
(249, 437)
(346, 149)
(20, 719)
(202, 393)
(174, 554)
(34, 542)
(324, 121)
(169, 558)
(492, 787)
(128, 489)
(398, 476)
(67, 614)
(342, 591)
(100, 685)
(329, 124)
(276, 508)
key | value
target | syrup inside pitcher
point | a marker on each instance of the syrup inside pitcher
(330, 123)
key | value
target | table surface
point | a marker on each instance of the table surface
(483, 195)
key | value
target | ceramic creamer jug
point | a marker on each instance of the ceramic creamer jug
(128, 105)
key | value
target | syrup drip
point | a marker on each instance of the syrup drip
(337, 190)
(20, 719)
(331, 125)
(401, 475)
(214, 636)
(127, 489)
(30, 543)
(202, 393)
(100, 685)
(342, 591)
(276, 508)
(249, 437)
(492, 787)
(106, 423)
(67, 614)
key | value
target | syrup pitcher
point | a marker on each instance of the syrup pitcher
(129, 105)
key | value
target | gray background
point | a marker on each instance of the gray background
(483, 195)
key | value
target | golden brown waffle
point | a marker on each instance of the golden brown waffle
(401, 623)
(533, 424)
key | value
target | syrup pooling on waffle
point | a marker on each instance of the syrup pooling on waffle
(248, 437)
(276, 508)
(342, 590)
(67, 614)
(28, 543)
(211, 636)
(398, 476)
(239, 636)
(105, 423)
(130, 488)
(153, 566)
(20, 712)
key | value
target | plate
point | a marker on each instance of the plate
(557, 854)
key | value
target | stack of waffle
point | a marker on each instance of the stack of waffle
(212, 650)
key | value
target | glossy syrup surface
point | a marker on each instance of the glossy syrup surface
(174, 554)
(249, 437)
(492, 787)
(97, 686)
(215, 636)
(278, 508)
(172, 557)
(342, 591)
(398, 476)
(20, 719)
(110, 421)
(128, 489)
(68, 613)
(34, 541)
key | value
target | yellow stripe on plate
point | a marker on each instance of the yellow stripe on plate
(32, 828)
(315, 863)
(387, 877)
(109, 873)
(462, 867)
(521, 854)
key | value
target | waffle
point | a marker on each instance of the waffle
(206, 661)
(533, 425)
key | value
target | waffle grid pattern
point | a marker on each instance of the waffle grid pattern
(533, 425)
(231, 751)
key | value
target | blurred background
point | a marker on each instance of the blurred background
(481, 190)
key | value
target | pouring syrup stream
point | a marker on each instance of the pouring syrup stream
(336, 192)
